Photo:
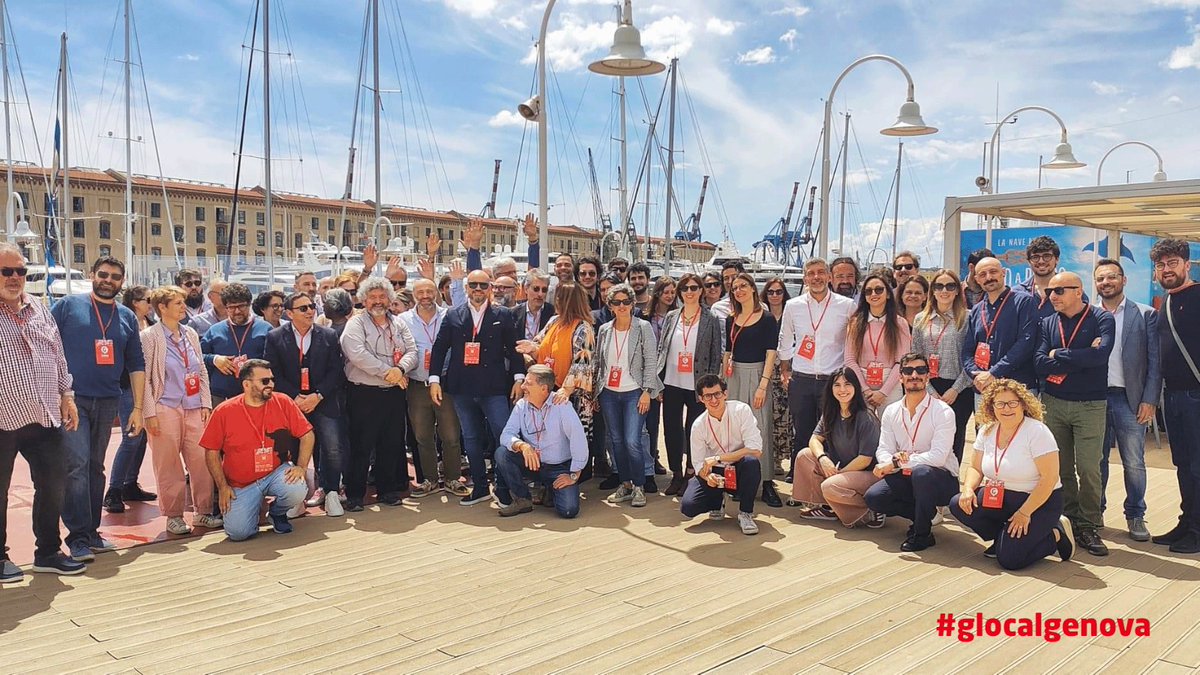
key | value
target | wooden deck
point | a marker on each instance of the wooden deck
(435, 587)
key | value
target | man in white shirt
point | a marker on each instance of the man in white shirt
(729, 271)
(726, 446)
(915, 458)
(812, 344)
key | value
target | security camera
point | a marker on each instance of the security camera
(530, 109)
(983, 184)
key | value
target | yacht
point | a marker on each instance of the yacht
(35, 281)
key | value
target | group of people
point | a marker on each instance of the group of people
(857, 391)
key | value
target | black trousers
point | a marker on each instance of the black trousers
(804, 402)
(378, 426)
(964, 407)
(699, 497)
(677, 433)
(915, 497)
(992, 525)
(42, 448)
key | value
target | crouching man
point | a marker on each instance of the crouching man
(726, 445)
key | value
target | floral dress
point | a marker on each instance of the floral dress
(783, 420)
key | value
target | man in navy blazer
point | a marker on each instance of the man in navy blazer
(476, 354)
(306, 361)
(1134, 385)
(531, 316)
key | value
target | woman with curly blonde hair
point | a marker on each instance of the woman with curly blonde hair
(1012, 496)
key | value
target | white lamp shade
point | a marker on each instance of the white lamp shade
(1064, 158)
(909, 122)
(23, 234)
(627, 57)
(1160, 176)
(530, 109)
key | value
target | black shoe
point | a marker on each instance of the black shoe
(134, 493)
(659, 469)
(280, 524)
(1188, 543)
(611, 482)
(1088, 540)
(650, 487)
(58, 564)
(990, 552)
(769, 496)
(918, 543)
(585, 475)
(1065, 546)
(113, 501)
(352, 506)
(675, 486)
(601, 468)
(1171, 537)
(479, 494)
(391, 498)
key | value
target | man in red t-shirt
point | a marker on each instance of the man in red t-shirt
(258, 446)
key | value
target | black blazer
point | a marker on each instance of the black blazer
(518, 313)
(326, 369)
(498, 357)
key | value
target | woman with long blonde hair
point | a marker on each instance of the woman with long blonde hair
(938, 334)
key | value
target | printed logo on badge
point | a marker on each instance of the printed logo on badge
(304, 379)
(983, 356)
(239, 361)
(104, 353)
(1056, 379)
(730, 477)
(428, 359)
(934, 361)
(264, 460)
(614, 376)
(808, 347)
(397, 354)
(993, 495)
(191, 384)
(874, 374)
(471, 354)
(684, 365)
(729, 370)
(548, 361)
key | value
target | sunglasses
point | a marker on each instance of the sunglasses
(194, 283)
(1059, 290)
(479, 285)
(617, 268)
(945, 287)
(358, 305)
(267, 380)
(615, 302)
(587, 274)
(115, 276)
(904, 267)
(399, 284)
(304, 308)
(914, 370)
(9, 271)
(690, 288)
(713, 284)
(1012, 405)
(875, 290)
(741, 287)
(775, 291)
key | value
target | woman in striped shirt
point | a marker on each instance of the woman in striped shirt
(938, 335)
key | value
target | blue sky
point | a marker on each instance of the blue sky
(756, 73)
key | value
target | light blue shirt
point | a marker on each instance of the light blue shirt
(554, 430)
(424, 334)
(174, 391)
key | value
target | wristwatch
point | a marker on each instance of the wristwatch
(574, 476)
(896, 462)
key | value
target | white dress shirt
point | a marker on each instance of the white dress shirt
(927, 436)
(802, 316)
(1116, 368)
(737, 429)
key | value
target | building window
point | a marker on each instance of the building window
(222, 215)
(241, 237)
(77, 229)
(221, 234)
(178, 234)
(259, 258)
(299, 239)
(241, 217)
(80, 253)
(200, 235)
(330, 224)
(105, 229)
(155, 229)
(279, 239)
(362, 227)
(77, 204)
(314, 223)
(155, 210)
(242, 257)
(155, 252)
(259, 219)
(200, 214)
(105, 251)
(260, 238)
(201, 254)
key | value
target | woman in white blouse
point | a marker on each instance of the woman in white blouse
(1012, 495)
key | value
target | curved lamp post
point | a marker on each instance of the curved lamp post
(1159, 175)
(20, 232)
(908, 123)
(627, 58)
(1064, 157)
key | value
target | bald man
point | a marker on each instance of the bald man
(204, 320)
(1001, 331)
(1072, 357)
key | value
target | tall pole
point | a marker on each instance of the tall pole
(670, 164)
(66, 206)
(375, 107)
(128, 157)
(845, 168)
(896, 205)
(543, 139)
(9, 216)
(267, 140)
(622, 184)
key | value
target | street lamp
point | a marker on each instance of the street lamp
(908, 123)
(21, 232)
(1159, 175)
(1064, 157)
(627, 58)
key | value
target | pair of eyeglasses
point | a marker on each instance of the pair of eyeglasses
(9, 271)
(479, 285)
(904, 267)
(114, 276)
(690, 288)
(713, 396)
(914, 370)
(275, 305)
(587, 274)
(1168, 264)
(617, 302)
(1010, 405)
(397, 285)
(713, 284)
(1042, 257)
(945, 287)
(236, 305)
(775, 291)
(304, 308)
(1059, 290)
(194, 283)
(741, 287)
(875, 290)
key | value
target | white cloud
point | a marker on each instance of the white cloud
(795, 11)
(922, 151)
(670, 36)
(514, 23)
(1105, 89)
(567, 46)
(476, 9)
(188, 57)
(506, 118)
(720, 26)
(789, 38)
(1173, 100)
(1187, 56)
(758, 56)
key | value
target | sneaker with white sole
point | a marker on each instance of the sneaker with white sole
(717, 514)
(820, 512)
(746, 522)
(333, 505)
(58, 564)
(639, 496)
(9, 572)
(937, 517)
(208, 520)
(177, 525)
(296, 511)
(101, 545)
(873, 520)
(623, 494)
(317, 499)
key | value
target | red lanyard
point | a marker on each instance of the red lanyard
(617, 343)
(425, 327)
(261, 429)
(538, 431)
(817, 326)
(245, 333)
(476, 326)
(999, 456)
(875, 343)
(388, 331)
(301, 345)
(531, 326)
(1062, 334)
(686, 332)
(945, 325)
(183, 350)
(103, 324)
(988, 329)
(912, 436)
(734, 332)
(713, 432)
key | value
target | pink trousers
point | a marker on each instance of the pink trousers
(178, 436)
(843, 492)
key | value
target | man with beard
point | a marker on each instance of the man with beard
(1134, 385)
(476, 348)
(1001, 332)
(845, 276)
(216, 312)
(190, 281)
(905, 265)
(618, 266)
(504, 291)
(1179, 340)
(589, 271)
(306, 283)
(533, 314)
(973, 292)
(229, 343)
(915, 458)
(1042, 254)
(639, 280)
(380, 352)
(1072, 356)
(101, 341)
(251, 440)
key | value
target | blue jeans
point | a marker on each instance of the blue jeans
(511, 473)
(480, 416)
(128, 461)
(241, 520)
(625, 426)
(84, 452)
(1123, 428)
(1182, 414)
(333, 444)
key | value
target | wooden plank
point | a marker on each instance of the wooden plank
(748, 662)
(549, 655)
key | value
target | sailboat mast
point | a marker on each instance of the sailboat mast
(65, 205)
(9, 215)
(896, 205)
(128, 158)
(267, 139)
(845, 166)
(670, 163)
(375, 107)
(622, 189)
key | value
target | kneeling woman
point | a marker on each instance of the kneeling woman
(1012, 496)
(834, 471)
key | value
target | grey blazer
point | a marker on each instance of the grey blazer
(710, 341)
(643, 365)
(1139, 354)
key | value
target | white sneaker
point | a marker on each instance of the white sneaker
(623, 494)
(333, 505)
(177, 525)
(317, 499)
(639, 496)
(296, 511)
(938, 517)
(717, 514)
(746, 522)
